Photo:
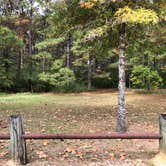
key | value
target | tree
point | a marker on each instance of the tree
(124, 15)
(127, 15)
(87, 35)
(9, 47)
(145, 77)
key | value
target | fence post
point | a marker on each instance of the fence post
(17, 142)
(162, 141)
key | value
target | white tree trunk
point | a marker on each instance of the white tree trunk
(121, 116)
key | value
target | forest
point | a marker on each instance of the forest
(75, 45)
(109, 56)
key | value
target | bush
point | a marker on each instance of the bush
(75, 88)
(145, 78)
(59, 78)
(102, 80)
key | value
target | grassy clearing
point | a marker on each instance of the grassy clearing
(93, 112)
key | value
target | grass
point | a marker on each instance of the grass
(90, 112)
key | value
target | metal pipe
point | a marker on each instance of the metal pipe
(4, 137)
(93, 136)
(88, 136)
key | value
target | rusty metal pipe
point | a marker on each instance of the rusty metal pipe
(4, 137)
(87, 136)
(93, 136)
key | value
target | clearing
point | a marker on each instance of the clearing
(93, 112)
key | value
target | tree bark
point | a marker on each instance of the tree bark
(43, 64)
(121, 116)
(90, 71)
(30, 48)
(19, 63)
(30, 61)
(68, 53)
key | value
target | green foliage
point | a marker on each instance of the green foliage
(144, 77)
(74, 32)
(42, 55)
(59, 78)
(102, 80)
(6, 80)
(49, 43)
(57, 65)
(9, 39)
(77, 87)
(9, 45)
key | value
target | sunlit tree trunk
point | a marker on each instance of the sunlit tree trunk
(90, 71)
(121, 116)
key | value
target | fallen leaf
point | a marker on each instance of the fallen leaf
(41, 154)
(2, 154)
(45, 142)
(112, 155)
(122, 156)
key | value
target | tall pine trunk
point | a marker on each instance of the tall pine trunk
(68, 53)
(30, 61)
(19, 64)
(121, 116)
(30, 47)
(43, 64)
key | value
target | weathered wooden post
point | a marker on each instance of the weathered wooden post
(162, 142)
(17, 142)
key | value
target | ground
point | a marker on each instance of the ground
(93, 112)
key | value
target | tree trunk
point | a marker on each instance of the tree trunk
(30, 62)
(30, 48)
(68, 53)
(43, 64)
(121, 116)
(90, 69)
(19, 63)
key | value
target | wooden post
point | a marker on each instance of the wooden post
(162, 142)
(17, 142)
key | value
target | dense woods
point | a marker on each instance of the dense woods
(75, 45)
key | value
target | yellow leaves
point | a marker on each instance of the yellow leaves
(88, 4)
(95, 33)
(91, 3)
(141, 15)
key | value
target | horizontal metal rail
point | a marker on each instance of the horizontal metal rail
(3, 136)
(88, 136)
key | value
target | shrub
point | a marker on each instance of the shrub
(145, 77)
